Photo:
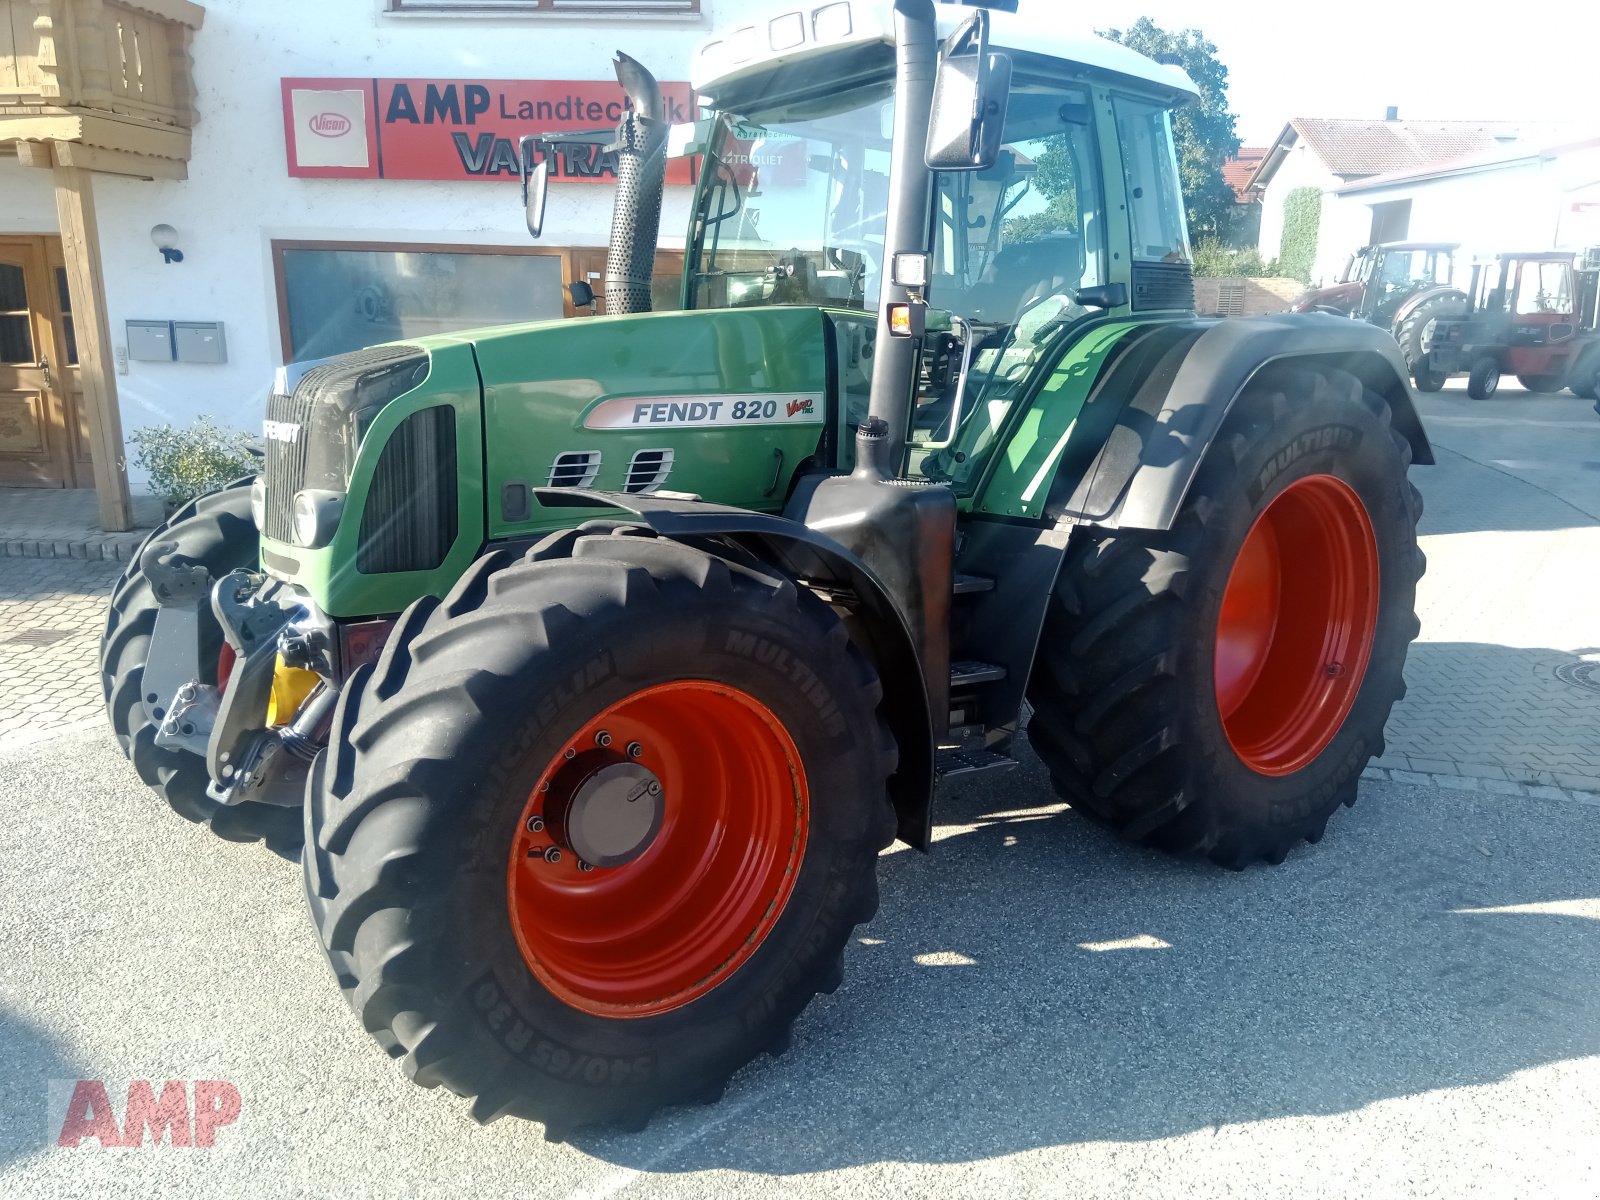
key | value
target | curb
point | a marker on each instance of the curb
(114, 548)
(1489, 786)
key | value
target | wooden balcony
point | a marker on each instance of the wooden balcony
(107, 83)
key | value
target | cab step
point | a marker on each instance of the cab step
(967, 584)
(951, 762)
(970, 674)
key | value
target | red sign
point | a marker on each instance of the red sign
(454, 128)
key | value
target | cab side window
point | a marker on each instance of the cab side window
(1150, 173)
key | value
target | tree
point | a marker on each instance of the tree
(1204, 131)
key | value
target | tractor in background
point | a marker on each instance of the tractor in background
(1403, 287)
(1530, 315)
(598, 661)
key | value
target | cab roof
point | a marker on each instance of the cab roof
(846, 42)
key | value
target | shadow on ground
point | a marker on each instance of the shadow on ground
(31, 1058)
(1034, 983)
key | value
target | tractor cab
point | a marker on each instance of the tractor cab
(1523, 317)
(1376, 281)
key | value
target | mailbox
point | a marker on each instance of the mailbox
(150, 341)
(199, 341)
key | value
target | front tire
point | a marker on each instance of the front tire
(1484, 378)
(1218, 688)
(217, 531)
(506, 741)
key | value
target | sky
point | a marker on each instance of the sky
(1353, 58)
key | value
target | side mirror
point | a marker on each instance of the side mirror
(970, 95)
(1102, 295)
(582, 294)
(535, 186)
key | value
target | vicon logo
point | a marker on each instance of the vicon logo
(329, 124)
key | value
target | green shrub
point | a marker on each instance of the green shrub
(1302, 215)
(185, 463)
(1214, 259)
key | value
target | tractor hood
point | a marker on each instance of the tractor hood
(414, 456)
(1341, 296)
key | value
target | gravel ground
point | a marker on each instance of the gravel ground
(1408, 1009)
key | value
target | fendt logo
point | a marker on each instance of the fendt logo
(329, 124)
(173, 1111)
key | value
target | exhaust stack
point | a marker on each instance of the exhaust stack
(641, 149)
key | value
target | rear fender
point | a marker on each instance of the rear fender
(1161, 405)
(877, 627)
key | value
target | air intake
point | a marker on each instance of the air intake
(648, 470)
(576, 468)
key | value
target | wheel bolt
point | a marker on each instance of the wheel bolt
(1335, 670)
(655, 788)
(535, 824)
(602, 739)
(635, 750)
(570, 752)
(585, 867)
(544, 786)
(553, 855)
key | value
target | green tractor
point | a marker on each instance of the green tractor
(598, 660)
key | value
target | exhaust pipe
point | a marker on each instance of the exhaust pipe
(641, 149)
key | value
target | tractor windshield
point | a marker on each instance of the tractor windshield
(1544, 287)
(793, 205)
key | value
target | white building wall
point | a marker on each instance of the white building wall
(239, 195)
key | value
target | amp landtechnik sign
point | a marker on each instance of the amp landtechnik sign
(454, 128)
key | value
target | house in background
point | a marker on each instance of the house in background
(1525, 197)
(1245, 228)
(1329, 153)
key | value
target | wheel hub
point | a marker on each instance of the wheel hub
(612, 815)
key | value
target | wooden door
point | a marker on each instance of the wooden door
(35, 445)
(69, 380)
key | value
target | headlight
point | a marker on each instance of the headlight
(316, 516)
(258, 503)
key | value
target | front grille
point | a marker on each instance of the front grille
(409, 520)
(312, 427)
(1159, 285)
(289, 419)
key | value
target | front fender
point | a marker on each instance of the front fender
(1166, 397)
(805, 555)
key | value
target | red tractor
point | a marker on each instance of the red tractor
(1404, 287)
(1531, 315)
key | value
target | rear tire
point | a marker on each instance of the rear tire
(1483, 379)
(495, 971)
(1129, 690)
(1586, 379)
(1544, 385)
(1415, 333)
(217, 531)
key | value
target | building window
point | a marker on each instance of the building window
(482, 8)
(334, 298)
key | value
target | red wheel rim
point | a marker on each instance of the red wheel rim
(700, 893)
(1295, 633)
